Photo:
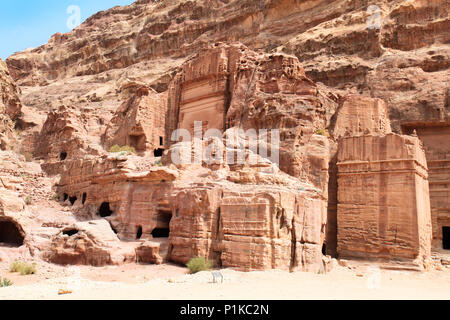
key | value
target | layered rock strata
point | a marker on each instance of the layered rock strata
(435, 136)
(321, 72)
(383, 199)
(274, 222)
(10, 109)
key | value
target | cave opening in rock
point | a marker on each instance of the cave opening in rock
(446, 238)
(138, 142)
(161, 233)
(162, 229)
(70, 232)
(84, 198)
(73, 200)
(324, 249)
(66, 196)
(63, 156)
(158, 152)
(139, 233)
(105, 210)
(10, 233)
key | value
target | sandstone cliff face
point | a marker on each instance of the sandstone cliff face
(65, 134)
(139, 122)
(432, 134)
(359, 115)
(146, 30)
(346, 44)
(232, 86)
(325, 73)
(397, 51)
(391, 223)
(10, 108)
(195, 211)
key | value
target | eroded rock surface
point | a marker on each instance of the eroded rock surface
(339, 80)
(383, 199)
(10, 108)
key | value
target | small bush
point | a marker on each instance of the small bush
(199, 264)
(116, 149)
(55, 197)
(28, 200)
(23, 268)
(5, 282)
(15, 266)
(322, 132)
(28, 269)
(28, 156)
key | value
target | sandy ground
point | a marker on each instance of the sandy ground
(170, 282)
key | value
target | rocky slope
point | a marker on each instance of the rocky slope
(346, 44)
(10, 108)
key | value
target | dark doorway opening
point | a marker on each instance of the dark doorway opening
(161, 141)
(446, 238)
(73, 200)
(139, 233)
(105, 210)
(324, 249)
(10, 233)
(138, 142)
(70, 232)
(161, 233)
(66, 196)
(158, 152)
(162, 229)
(63, 156)
(84, 198)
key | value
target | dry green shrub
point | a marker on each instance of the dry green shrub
(23, 268)
(198, 264)
(116, 149)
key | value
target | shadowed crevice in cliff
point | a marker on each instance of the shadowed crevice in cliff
(139, 233)
(70, 232)
(161, 233)
(446, 238)
(105, 210)
(73, 200)
(331, 227)
(158, 152)
(217, 254)
(11, 233)
(162, 229)
(294, 259)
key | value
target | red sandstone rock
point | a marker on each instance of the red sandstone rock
(90, 243)
(433, 135)
(139, 122)
(313, 70)
(10, 92)
(10, 107)
(65, 135)
(383, 199)
(360, 115)
(356, 115)
(148, 252)
(256, 91)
